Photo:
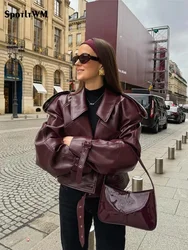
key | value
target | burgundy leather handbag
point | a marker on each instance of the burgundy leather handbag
(134, 209)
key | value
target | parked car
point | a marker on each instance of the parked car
(175, 113)
(185, 108)
(169, 103)
(156, 109)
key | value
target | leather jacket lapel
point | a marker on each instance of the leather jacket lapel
(78, 104)
(107, 105)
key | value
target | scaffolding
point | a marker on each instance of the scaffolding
(161, 37)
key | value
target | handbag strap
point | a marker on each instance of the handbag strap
(142, 164)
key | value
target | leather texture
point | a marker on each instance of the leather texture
(110, 152)
(134, 209)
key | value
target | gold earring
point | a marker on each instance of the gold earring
(101, 72)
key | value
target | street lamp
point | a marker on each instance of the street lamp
(13, 53)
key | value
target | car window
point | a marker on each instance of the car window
(160, 102)
(143, 100)
(170, 103)
(173, 109)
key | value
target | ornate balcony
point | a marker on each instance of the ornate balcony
(12, 40)
(59, 56)
(40, 50)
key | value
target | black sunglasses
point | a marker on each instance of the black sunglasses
(84, 58)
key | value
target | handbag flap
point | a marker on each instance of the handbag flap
(125, 201)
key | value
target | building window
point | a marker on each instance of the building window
(12, 26)
(71, 54)
(57, 82)
(12, 68)
(9, 68)
(78, 39)
(57, 5)
(70, 40)
(39, 2)
(37, 98)
(79, 26)
(37, 32)
(37, 74)
(37, 78)
(70, 27)
(57, 40)
(57, 78)
(75, 15)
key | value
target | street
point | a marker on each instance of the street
(26, 191)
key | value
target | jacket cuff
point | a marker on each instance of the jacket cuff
(77, 144)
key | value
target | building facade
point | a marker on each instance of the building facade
(40, 28)
(177, 84)
(77, 28)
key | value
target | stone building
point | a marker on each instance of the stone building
(40, 29)
(77, 28)
(177, 85)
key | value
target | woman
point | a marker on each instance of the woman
(88, 135)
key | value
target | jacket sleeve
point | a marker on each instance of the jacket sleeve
(109, 157)
(51, 154)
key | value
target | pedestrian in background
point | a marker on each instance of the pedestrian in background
(90, 134)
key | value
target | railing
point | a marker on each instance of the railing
(12, 40)
(40, 50)
(59, 55)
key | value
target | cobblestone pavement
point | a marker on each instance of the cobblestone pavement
(19, 124)
(26, 191)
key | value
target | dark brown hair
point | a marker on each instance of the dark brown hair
(106, 54)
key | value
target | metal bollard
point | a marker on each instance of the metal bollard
(11, 117)
(25, 116)
(137, 184)
(171, 153)
(159, 165)
(37, 116)
(184, 139)
(91, 238)
(187, 135)
(178, 145)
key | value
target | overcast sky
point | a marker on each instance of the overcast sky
(174, 13)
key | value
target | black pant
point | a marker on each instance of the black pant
(108, 237)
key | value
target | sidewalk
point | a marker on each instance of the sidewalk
(172, 205)
(8, 117)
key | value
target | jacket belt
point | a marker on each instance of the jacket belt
(81, 163)
(81, 203)
(80, 216)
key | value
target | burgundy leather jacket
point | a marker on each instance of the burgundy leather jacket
(111, 151)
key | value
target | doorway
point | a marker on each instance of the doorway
(9, 95)
(9, 87)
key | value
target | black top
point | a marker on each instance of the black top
(94, 98)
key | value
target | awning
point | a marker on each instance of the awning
(58, 89)
(40, 88)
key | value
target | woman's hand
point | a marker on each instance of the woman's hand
(67, 140)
